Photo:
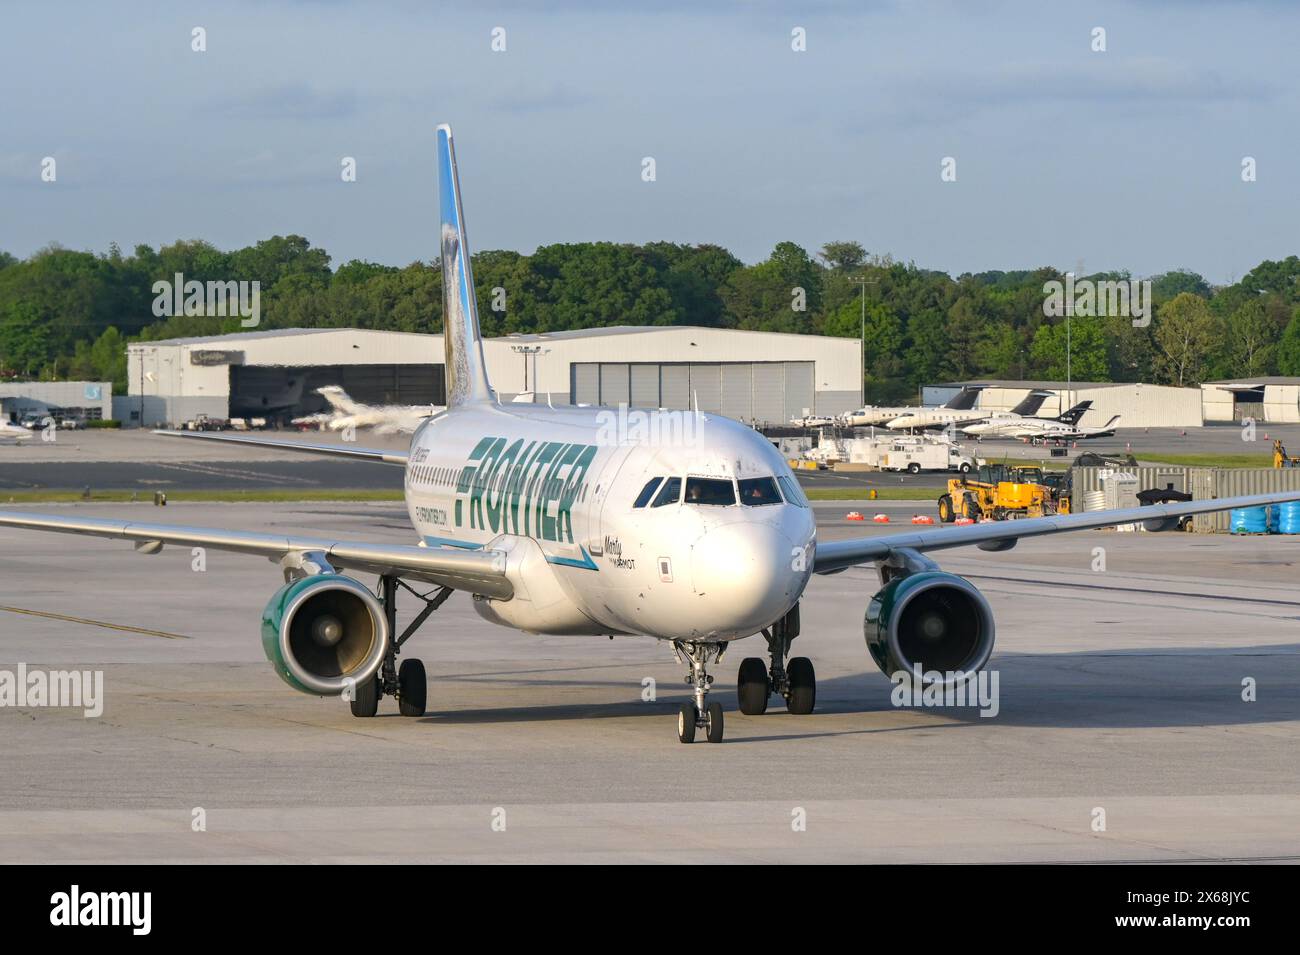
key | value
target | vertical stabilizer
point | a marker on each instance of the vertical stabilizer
(1072, 416)
(1029, 406)
(466, 370)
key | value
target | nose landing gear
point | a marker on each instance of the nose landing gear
(699, 715)
(795, 680)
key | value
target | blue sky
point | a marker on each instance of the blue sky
(1125, 159)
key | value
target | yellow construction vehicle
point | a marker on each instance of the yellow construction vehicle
(1280, 457)
(1000, 492)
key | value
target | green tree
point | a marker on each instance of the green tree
(843, 256)
(1184, 334)
(24, 339)
(1288, 352)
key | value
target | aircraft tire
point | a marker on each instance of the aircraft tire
(752, 688)
(365, 699)
(686, 716)
(803, 686)
(412, 688)
(713, 731)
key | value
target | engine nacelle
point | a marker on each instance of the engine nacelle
(323, 633)
(932, 620)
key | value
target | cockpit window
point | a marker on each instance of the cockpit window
(757, 491)
(669, 493)
(647, 492)
(792, 491)
(717, 492)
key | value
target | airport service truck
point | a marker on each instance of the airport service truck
(919, 456)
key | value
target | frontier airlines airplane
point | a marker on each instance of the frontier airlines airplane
(554, 521)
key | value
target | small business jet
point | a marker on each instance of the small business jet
(880, 415)
(927, 419)
(14, 433)
(347, 414)
(1012, 425)
(1069, 432)
(686, 527)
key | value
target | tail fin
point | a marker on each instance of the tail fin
(339, 399)
(1029, 406)
(1072, 416)
(964, 400)
(466, 369)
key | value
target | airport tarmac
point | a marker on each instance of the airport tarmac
(1120, 691)
(136, 460)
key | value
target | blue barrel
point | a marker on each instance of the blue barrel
(1287, 517)
(1249, 520)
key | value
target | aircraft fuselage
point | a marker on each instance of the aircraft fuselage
(557, 489)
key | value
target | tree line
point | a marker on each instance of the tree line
(70, 314)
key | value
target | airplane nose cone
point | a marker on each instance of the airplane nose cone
(745, 577)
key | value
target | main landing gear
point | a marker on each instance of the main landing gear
(407, 683)
(698, 715)
(795, 680)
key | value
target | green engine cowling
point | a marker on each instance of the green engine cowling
(934, 621)
(324, 633)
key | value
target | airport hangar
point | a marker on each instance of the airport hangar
(1271, 400)
(761, 378)
(1139, 405)
(89, 400)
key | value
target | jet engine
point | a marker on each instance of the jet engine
(324, 633)
(931, 621)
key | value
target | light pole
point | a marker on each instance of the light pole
(527, 350)
(1069, 310)
(862, 341)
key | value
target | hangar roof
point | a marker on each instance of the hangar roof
(608, 330)
(237, 337)
(1033, 385)
(1257, 382)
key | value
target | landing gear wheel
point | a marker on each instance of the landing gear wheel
(686, 717)
(365, 698)
(803, 686)
(946, 514)
(713, 718)
(752, 688)
(412, 688)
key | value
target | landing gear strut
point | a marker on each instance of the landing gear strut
(407, 684)
(795, 680)
(698, 715)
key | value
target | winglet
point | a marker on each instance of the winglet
(466, 369)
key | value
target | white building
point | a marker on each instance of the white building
(1138, 405)
(759, 377)
(91, 400)
(1273, 400)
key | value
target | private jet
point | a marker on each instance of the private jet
(949, 416)
(686, 527)
(1012, 425)
(870, 415)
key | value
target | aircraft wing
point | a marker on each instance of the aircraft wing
(834, 556)
(476, 571)
(337, 450)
